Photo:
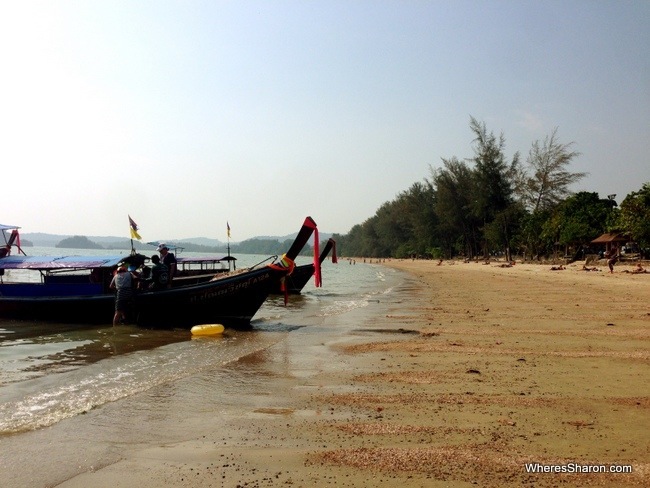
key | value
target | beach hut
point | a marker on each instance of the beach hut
(610, 241)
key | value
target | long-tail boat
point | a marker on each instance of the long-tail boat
(293, 283)
(76, 289)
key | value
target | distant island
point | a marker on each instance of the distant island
(78, 242)
(257, 245)
(251, 246)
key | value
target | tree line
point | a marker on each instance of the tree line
(489, 204)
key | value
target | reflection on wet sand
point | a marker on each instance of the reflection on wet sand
(28, 352)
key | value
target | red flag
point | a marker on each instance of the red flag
(14, 240)
(317, 276)
(17, 241)
(317, 279)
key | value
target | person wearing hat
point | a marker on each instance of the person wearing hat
(122, 282)
(168, 259)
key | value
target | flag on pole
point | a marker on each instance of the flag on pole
(228, 228)
(134, 229)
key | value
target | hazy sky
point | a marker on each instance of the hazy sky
(189, 114)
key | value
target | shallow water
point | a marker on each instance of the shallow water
(50, 372)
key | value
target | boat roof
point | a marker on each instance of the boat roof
(204, 259)
(85, 262)
(59, 262)
(8, 227)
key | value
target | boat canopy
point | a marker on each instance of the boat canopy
(200, 260)
(8, 227)
(44, 263)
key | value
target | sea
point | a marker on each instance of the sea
(53, 373)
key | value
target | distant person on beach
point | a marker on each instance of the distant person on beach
(585, 268)
(557, 268)
(612, 259)
(123, 283)
(638, 270)
(168, 259)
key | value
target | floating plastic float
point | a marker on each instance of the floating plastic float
(207, 329)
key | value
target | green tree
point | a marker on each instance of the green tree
(533, 242)
(548, 181)
(578, 220)
(634, 216)
(495, 178)
(420, 206)
(457, 227)
(400, 228)
(541, 186)
(415, 220)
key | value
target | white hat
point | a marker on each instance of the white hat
(162, 246)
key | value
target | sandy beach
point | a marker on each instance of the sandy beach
(466, 374)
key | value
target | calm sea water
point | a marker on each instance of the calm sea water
(51, 372)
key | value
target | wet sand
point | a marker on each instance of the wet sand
(463, 375)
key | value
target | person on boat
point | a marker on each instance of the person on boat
(123, 283)
(168, 259)
(136, 276)
(144, 277)
(159, 275)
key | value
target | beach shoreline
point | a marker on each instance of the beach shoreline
(461, 377)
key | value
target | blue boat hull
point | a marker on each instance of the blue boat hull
(232, 301)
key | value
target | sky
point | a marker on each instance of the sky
(188, 115)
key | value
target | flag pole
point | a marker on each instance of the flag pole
(134, 233)
(229, 260)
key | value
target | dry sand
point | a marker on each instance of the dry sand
(475, 371)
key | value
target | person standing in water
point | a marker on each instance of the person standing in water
(122, 282)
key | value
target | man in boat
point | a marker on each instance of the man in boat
(159, 275)
(168, 259)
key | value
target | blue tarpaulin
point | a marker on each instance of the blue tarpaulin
(59, 262)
